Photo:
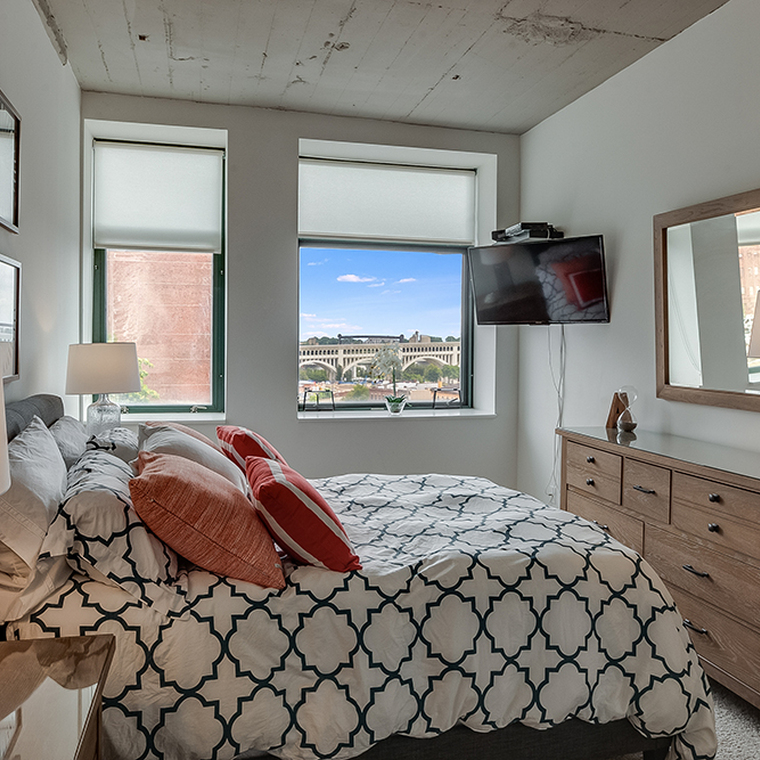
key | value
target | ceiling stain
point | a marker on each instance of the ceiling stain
(541, 28)
(341, 24)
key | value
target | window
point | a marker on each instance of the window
(382, 268)
(159, 268)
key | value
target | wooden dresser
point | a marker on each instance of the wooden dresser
(693, 510)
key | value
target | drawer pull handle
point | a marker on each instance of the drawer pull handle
(713, 527)
(589, 481)
(650, 491)
(603, 527)
(713, 497)
(590, 459)
(701, 631)
(700, 573)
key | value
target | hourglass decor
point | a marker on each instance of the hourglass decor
(620, 416)
(626, 422)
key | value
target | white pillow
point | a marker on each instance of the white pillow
(163, 439)
(71, 437)
(38, 482)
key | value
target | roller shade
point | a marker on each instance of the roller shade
(363, 201)
(157, 197)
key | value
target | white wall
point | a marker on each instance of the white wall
(679, 127)
(263, 294)
(46, 95)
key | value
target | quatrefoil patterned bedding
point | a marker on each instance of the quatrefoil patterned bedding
(475, 604)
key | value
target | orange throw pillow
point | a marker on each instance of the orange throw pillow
(205, 518)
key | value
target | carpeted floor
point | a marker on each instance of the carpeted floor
(738, 726)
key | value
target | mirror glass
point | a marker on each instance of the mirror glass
(708, 291)
(9, 156)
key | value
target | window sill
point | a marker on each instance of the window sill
(196, 417)
(382, 414)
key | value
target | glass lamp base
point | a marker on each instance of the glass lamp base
(103, 415)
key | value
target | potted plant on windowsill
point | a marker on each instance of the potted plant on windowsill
(385, 364)
(395, 404)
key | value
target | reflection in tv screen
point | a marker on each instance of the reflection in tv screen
(540, 281)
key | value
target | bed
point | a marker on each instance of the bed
(468, 619)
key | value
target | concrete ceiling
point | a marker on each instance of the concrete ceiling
(495, 65)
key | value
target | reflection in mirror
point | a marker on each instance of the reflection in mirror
(7, 169)
(708, 286)
(10, 124)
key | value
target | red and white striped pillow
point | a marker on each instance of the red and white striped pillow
(237, 443)
(297, 516)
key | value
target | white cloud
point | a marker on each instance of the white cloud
(407, 279)
(354, 278)
(324, 326)
(339, 326)
(377, 284)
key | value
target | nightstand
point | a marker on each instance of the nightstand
(50, 697)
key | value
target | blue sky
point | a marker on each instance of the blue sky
(373, 292)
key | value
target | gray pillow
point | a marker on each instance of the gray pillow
(71, 437)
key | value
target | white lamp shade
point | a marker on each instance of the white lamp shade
(102, 368)
(5, 470)
(753, 350)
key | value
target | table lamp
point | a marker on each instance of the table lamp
(102, 368)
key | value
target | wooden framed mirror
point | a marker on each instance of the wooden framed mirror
(707, 302)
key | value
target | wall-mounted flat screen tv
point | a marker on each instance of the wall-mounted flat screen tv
(540, 281)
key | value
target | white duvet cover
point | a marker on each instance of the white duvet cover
(476, 604)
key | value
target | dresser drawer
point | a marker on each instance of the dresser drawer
(594, 472)
(711, 495)
(719, 531)
(721, 641)
(706, 574)
(646, 490)
(624, 528)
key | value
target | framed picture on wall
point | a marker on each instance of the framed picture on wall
(10, 289)
(10, 142)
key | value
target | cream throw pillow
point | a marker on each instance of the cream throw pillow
(165, 439)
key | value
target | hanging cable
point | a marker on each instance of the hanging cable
(558, 381)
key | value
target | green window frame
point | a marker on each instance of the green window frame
(99, 335)
(467, 324)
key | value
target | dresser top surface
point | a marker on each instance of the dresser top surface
(701, 453)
